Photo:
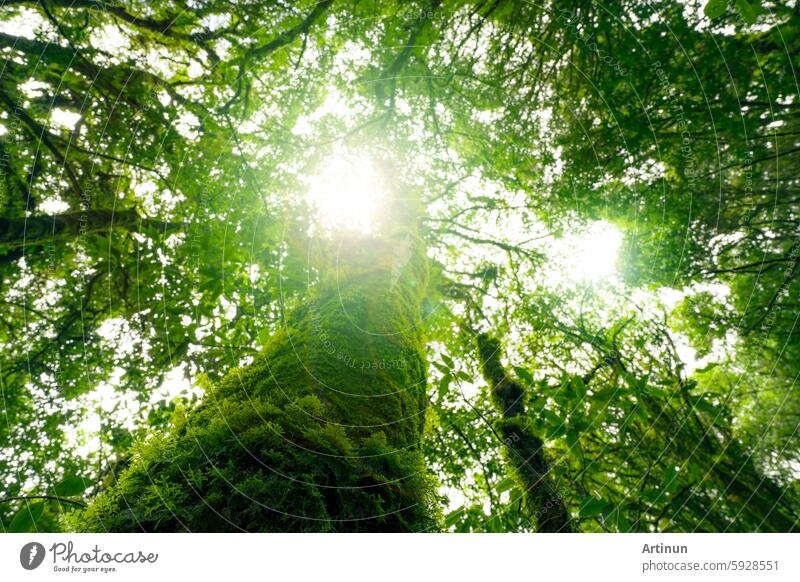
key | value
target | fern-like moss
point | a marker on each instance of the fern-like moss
(320, 433)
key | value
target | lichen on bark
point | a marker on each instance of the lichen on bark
(321, 432)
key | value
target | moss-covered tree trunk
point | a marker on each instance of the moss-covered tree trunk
(523, 451)
(321, 432)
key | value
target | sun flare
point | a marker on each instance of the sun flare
(597, 250)
(347, 193)
(591, 256)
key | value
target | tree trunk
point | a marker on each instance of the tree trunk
(523, 450)
(321, 432)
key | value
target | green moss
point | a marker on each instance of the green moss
(523, 451)
(320, 433)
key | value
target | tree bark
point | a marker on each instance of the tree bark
(322, 432)
(523, 450)
(16, 233)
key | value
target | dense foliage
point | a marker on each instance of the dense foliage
(157, 245)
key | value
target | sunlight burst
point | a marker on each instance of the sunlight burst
(592, 255)
(347, 193)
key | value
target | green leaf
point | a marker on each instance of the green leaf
(653, 391)
(749, 12)
(700, 404)
(651, 495)
(505, 485)
(24, 520)
(670, 482)
(524, 375)
(614, 519)
(463, 376)
(453, 518)
(264, 335)
(538, 404)
(556, 426)
(444, 384)
(572, 438)
(707, 368)
(634, 383)
(607, 394)
(579, 386)
(715, 8)
(623, 525)
(441, 368)
(446, 359)
(590, 507)
(552, 419)
(72, 486)
(579, 422)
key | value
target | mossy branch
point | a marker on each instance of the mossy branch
(46, 497)
(524, 451)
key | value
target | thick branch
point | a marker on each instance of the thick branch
(48, 497)
(391, 72)
(283, 39)
(16, 233)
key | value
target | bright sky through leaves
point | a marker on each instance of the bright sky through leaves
(606, 191)
(347, 192)
(594, 253)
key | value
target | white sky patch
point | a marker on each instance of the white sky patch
(349, 60)
(254, 272)
(336, 104)
(666, 299)
(261, 118)
(49, 302)
(161, 61)
(26, 24)
(216, 21)
(154, 201)
(347, 193)
(108, 404)
(32, 88)
(468, 390)
(164, 98)
(647, 173)
(187, 125)
(686, 353)
(488, 116)
(53, 206)
(176, 385)
(720, 350)
(719, 291)
(110, 38)
(229, 308)
(670, 297)
(64, 119)
(118, 335)
(102, 403)
(147, 192)
(553, 171)
(455, 497)
(693, 12)
(195, 70)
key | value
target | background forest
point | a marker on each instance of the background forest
(608, 194)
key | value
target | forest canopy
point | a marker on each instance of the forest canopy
(363, 265)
